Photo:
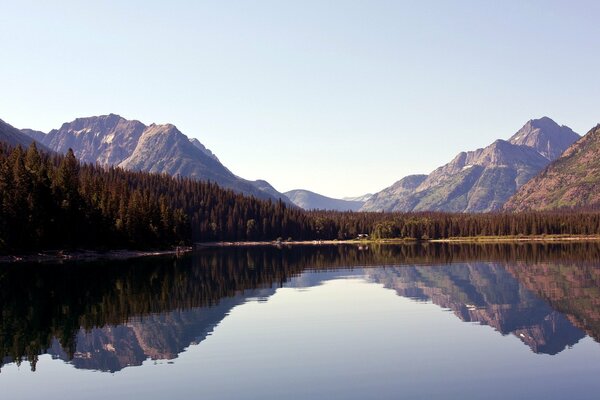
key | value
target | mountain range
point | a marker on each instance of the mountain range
(572, 181)
(130, 144)
(313, 201)
(481, 180)
(529, 168)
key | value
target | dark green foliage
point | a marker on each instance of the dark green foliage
(438, 225)
(54, 202)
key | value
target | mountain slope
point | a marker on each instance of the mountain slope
(572, 181)
(481, 180)
(362, 198)
(13, 136)
(313, 201)
(395, 197)
(114, 140)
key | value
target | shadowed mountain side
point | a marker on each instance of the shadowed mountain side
(14, 137)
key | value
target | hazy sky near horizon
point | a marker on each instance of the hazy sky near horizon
(338, 97)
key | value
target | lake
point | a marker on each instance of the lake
(433, 321)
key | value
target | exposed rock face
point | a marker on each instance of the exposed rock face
(113, 140)
(572, 181)
(313, 201)
(481, 180)
(545, 136)
(13, 136)
(107, 140)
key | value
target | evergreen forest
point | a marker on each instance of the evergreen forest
(50, 201)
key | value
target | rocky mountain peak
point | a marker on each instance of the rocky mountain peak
(105, 139)
(162, 148)
(482, 179)
(545, 136)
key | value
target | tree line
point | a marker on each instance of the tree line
(52, 201)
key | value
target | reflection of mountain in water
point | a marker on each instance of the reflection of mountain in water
(156, 337)
(108, 315)
(484, 293)
(572, 288)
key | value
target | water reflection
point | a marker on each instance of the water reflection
(110, 315)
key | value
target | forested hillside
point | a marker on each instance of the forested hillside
(55, 202)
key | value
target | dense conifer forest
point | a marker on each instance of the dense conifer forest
(50, 201)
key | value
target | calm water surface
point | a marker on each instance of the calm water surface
(347, 322)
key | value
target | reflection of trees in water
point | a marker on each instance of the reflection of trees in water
(42, 302)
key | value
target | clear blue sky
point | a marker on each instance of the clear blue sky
(339, 97)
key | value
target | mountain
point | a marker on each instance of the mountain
(313, 201)
(362, 198)
(13, 136)
(481, 180)
(546, 137)
(572, 181)
(114, 140)
(395, 196)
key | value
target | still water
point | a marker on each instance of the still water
(324, 322)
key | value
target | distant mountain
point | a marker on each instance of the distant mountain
(362, 198)
(13, 136)
(572, 181)
(481, 180)
(113, 140)
(395, 196)
(313, 201)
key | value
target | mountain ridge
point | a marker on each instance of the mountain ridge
(14, 137)
(480, 180)
(314, 201)
(160, 148)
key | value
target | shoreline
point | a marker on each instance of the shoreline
(92, 255)
(87, 255)
(474, 240)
